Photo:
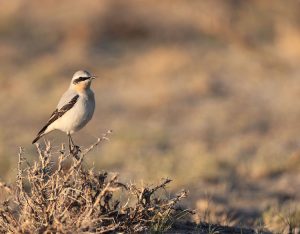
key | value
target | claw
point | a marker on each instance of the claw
(75, 151)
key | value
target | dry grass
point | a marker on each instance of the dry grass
(206, 92)
(283, 220)
(68, 197)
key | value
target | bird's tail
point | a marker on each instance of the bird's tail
(40, 134)
(36, 139)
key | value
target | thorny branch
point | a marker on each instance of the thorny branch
(59, 194)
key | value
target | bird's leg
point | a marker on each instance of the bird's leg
(73, 144)
(75, 148)
(70, 142)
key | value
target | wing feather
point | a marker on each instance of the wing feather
(56, 115)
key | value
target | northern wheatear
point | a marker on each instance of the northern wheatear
(75, 108)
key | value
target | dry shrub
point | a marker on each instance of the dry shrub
(68, 197)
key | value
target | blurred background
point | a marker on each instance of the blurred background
(203, 92)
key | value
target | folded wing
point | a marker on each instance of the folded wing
(56, 115)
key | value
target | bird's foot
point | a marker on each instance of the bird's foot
(75, 150)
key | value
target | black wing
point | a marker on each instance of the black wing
(56, 115)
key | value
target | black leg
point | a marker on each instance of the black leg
(72, 140)
(74, 149)
(69, 138)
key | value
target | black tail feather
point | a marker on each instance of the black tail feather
(40, 134)
(36, 139)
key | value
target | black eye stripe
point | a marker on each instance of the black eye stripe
(76, 81)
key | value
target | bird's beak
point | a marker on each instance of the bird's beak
(93, 77)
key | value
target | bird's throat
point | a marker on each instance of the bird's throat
(81, 87)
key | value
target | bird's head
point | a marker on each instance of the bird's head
(81, 80)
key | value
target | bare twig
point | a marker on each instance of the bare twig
(51, 198)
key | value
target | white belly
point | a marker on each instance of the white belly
(77, 117)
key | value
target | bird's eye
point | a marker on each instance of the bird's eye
(76, 81)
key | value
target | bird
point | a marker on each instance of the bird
(74, 109)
